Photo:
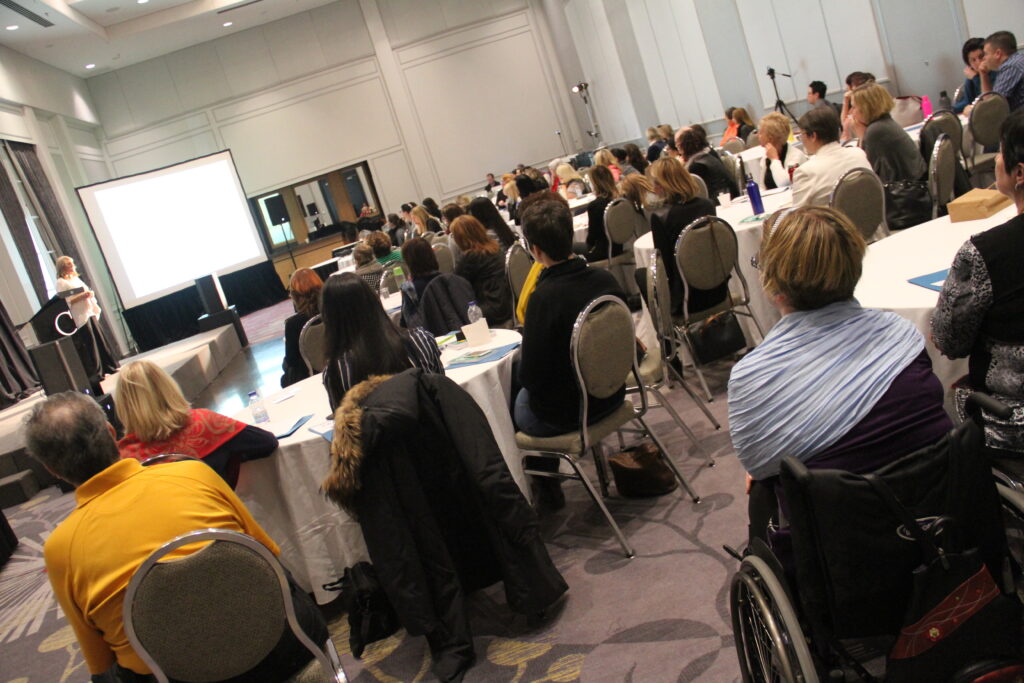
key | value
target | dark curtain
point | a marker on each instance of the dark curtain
(27, 159)
(15, 217)
(17, 375)
(176, 316)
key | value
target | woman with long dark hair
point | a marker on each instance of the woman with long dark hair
(304, 289)
(361, 340)
(605, 191)
(484, 211)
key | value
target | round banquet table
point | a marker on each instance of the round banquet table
(317, 538)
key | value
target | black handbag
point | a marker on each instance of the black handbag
(714, 338)
(907, 203)
(370, 614)
(957, 615)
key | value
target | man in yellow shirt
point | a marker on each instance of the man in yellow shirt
(124, 513)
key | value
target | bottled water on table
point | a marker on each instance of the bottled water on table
(473, 312)
(256, 407)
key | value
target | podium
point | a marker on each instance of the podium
(56, 357)
(53, 321)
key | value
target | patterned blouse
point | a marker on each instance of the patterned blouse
(980, 314)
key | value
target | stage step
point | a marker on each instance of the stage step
(16, 489)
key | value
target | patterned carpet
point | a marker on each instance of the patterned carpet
(662, 616)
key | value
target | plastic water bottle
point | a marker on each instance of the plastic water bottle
(473, 312)
(399, 278)
(256, 407)
(755, 196)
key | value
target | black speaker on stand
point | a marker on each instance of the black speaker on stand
(59, 367)
(217, 312)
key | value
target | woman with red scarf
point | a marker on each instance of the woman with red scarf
(158, 420)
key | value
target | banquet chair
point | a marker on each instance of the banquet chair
(313, 345)
(217, 612)
(517, 266)
(734, 145)
(753, 140)
(429, 236)
(702, 187)
(603, 351)
(946, 122)
(941, 170)
(389, 283)
(445, 260)
(623, 223)
(732, 166)
(707, 254)
(988, 112)
(859, 195)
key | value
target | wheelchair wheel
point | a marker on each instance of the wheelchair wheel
(1012, 503)
(770, 643)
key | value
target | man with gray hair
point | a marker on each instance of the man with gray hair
(124, 512)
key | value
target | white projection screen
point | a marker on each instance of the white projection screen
(162, 229)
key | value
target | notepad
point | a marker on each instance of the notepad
(324, 429)
(282, 429)
(932, 281)
(485, 356)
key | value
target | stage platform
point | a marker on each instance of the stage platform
(193, 362)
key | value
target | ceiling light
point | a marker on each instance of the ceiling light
(228, 23)
(12, 27)
(90, 66)
(142, 2)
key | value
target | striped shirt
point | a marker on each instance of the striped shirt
(419, 345)
(1010, 83)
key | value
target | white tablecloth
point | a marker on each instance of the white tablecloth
(318, 540)
(580, 225)
(921, 250)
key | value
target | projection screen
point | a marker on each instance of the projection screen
(162, 229)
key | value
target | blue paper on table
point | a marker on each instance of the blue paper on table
(324, 429)
(288, 431)
(931, 281)
(477, 357)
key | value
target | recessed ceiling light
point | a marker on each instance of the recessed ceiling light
(142, 2)
(12, 27)
(90, 66)
(228, 23)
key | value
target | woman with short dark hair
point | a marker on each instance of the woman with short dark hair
(701, 162)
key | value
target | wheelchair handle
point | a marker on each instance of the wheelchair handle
(990, 405)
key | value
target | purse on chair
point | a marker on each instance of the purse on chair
(717, 337)
(907, 203)
(370, 614)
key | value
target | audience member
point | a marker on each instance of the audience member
(367, 266)
(682, 206)
(655, 144)
(816, 91)
(780, 157)
(1001, 55)
(699, 161)
(604, 157)
(635, 157)
(396, 229)
(491, 183)
(157, 420)
(449, 212)
(124, 512)
(361, 340)
(570, 183)
(540, 183)
(637, 189)
(980, 312)
(432, 208)
(382, 251)
(847, 404)
(424, 222)
(622, 161)
(973, 53)
(304, 288)
(484, 211)
(604, 193)
(732, 129)
(745, 123)
(407, 211)
(535, 270)
(483, 266)
(421, 262)
(854, 80)
(814, 179)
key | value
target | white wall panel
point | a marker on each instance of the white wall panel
(149, 90)
(342, 33)
(154, 135)
(407, 21)
(247, 61)
(293, 48)
(171, 153)
(392, 176)
(985, 17)
(25, 81)
(317, 134)
(805, 40)
(111, 104)
(95, 171)
(766, 49)
(12, 124)
(198, 76)
(854, 50)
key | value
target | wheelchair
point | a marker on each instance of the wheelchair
(827, 600)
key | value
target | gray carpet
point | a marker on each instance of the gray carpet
(662, 616)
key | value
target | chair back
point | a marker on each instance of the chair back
(429, 236)
(388, 280)
(445, 260)
(706, 252)
(753, 140)
(732, 166)
(622, 222)
(603, 348)
(313, 344)
(941, 172)
(859, 194)
(947, 122)
(214, 613)
(517, 267)
(702, 187)
(659, 300)
(987, 115)
(734, 145)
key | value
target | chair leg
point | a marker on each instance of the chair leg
(671, 463)
(622, 442)
(682, 425)
(696, 369)
(600, 504)
(599, 465)
(695, 397)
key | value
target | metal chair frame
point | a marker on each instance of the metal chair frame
(388, 274)
(448, 265)
(934, 171)
(984, 139)
(953, 128)
(326, 655)
(516, 287)
(303, 333)
(734, 148)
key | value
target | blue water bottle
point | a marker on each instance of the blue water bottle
(754, 192)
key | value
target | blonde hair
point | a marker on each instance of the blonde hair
(565, 173)
(604, 157)
(511, 191)
(420, 218)
(740, 115)
(635, 187)
(873, 101)
(64, 264)
(812, 256)
(653, 134)
(666, 131)
(775, 127)
(674, 180)
(149, 402)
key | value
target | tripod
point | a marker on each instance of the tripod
(780, 106)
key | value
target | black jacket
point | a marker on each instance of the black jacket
(666, 225)
(445, 303)
(294, 367)
(597, 238)
(486, 272)
(413, 457)
(712, 171)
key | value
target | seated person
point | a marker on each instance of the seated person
(973, 53)
(482, 209)
(1001, 55)
(396, 229)
(815, 388)
(604, 157)
(745, 123)
(367, 266)
(421, 261)
(622, 159)
(701, 162)
(361, 340)
(816, 91)
(157, 419)
(980, 311)
(124, 512)
(304, 289)
(604, 192)
(779, 155)
(814, 179)
(732, 129)
(425, 222)
(483, 266)
(570, 184)
(382, 251)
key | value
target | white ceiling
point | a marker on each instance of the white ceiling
(116, 33)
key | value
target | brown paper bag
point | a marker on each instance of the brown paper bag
(976, 204)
